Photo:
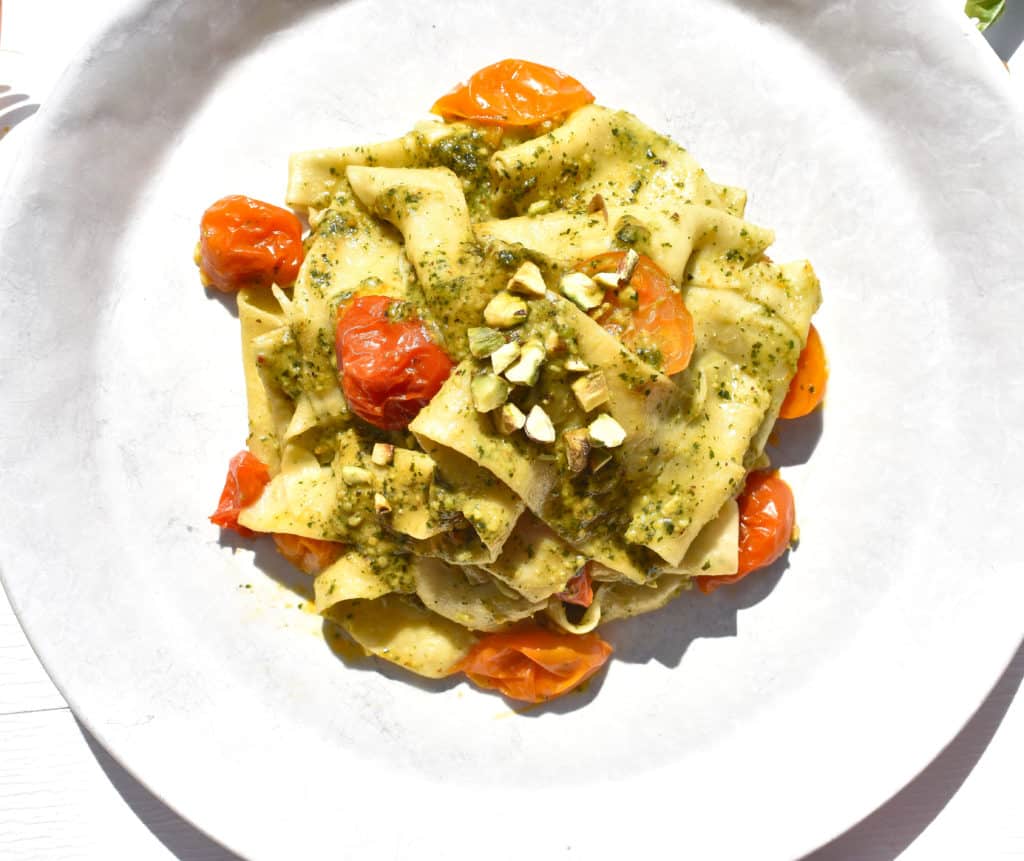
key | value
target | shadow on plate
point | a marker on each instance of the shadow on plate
(886, 833)
(664, 636)
(182, 839)
(794, 440)
(14, 109)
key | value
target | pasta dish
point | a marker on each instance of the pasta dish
(515, 383)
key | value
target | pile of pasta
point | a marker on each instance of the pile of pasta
(463, 524)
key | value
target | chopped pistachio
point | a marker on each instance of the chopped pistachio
(626, 267)
(553, 342)
(538, 207)
(577, 449)
(538, 426)
(597, 204)
(355, 475)
(483, 341)
(504, 356)
(576, 364)
(505, 311)
(383, 453)
(591, 391)
(582, 290)
(606, 432)
(509, 419)
(526, 370)
(607, 279)
(381, 504)
(528, 280)
(489, 392)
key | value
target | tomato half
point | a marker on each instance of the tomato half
(534, 664)
(579, 590)
(308, 554)
(513, 93)
(389, 368)
(808, 386)
(246, 478)
(248, 243)
(767, 515)
(660, 321)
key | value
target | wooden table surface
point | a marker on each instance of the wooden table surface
(63, 797)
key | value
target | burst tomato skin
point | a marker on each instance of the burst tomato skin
(533, 664)
(513, 93)
(580, 588)
(389, 369)
(248, 243)
(246, 478)
(661, 318)
(767, 515)
(807, 388)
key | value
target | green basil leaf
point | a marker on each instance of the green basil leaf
(985, 12)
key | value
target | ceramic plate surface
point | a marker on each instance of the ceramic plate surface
(878, 139)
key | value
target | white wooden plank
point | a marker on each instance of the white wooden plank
(24, 685)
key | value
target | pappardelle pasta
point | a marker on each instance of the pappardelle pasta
(519, 385)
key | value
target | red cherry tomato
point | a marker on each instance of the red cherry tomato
(767, 514)
(660, 320)
(579, 590)
(808, 386)
(390, 369)
(248, 243)
(247, 476)
(533, 664)
(513, 93)
(311, 555)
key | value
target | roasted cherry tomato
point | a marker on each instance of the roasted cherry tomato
(248, 243)
(580, 588)
(389, 368)
(808, 386)
(308, 554)
(247, 476)
(533, 664)
(767, 515)
(660, 321)
(513, 93)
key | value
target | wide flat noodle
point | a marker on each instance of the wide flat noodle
(688, 238)
(429, 208)
(396, 629)
(479, 604)
(259, 315)
(601, 151)
(536, 562)
(352, 576)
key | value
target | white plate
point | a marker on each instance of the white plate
(877, 139)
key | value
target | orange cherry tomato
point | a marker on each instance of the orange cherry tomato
(248, 243)
(660, 320)
(767, 514)
(389, 368)
(533, 664)
(579, 590)
(308, 554)
(513, 93)
(808, 386)
(247, 476)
